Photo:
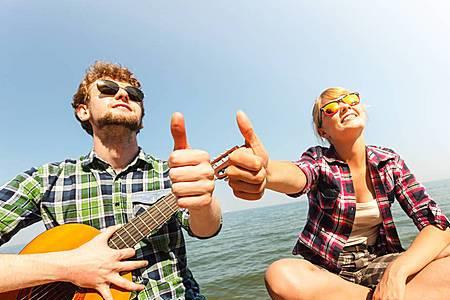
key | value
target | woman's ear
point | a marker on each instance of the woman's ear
(322, 133)
(82, 112)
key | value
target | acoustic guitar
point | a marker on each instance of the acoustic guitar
(71, 236)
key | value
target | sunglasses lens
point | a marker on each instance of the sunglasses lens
(331, 108)
(107, 87)
(135, 94)
(351, 99)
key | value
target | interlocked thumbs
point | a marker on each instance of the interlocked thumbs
(178, 130)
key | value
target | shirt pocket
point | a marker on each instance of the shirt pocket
(388, 183)
(144, 200)
(328, 193)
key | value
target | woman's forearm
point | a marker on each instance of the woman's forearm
(426, 247)
(285, 177)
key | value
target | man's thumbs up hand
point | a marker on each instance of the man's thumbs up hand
(190, 171)
(178, 130)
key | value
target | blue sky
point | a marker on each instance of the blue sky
(208, 59)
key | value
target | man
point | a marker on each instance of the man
(109, 186)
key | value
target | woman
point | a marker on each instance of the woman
(350, 244)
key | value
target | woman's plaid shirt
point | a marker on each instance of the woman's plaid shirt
(332, 201)
(89, 191)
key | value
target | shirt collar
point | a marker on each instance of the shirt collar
(375, 155)
(330, 155)
(92, 158)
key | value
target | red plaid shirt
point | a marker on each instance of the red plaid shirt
(332, 201)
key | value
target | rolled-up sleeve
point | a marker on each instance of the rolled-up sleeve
(19, 204)
(309, 165)
(415, 201)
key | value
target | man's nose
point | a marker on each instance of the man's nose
(122, 95)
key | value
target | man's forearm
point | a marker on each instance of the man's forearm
(31, 269)
(205, 222)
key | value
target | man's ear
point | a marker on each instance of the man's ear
(82, 112)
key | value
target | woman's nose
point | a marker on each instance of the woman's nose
(344, 106)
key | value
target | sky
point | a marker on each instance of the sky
(208, 59)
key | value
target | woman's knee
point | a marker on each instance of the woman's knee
(444, 253)
(290, 279)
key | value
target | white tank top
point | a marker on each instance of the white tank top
(366, 224)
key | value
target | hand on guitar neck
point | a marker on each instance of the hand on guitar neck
(192, 179)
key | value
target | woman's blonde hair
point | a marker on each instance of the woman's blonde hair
(328, 94)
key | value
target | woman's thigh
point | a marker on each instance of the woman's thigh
(432, 282)
(301, 280)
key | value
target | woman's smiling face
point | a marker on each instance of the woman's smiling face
(340, 115)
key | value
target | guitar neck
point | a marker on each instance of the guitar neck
(142, 225)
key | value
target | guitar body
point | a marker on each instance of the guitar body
(61, 238)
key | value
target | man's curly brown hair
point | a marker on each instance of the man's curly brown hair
(99, 70)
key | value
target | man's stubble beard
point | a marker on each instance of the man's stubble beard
(130, 122)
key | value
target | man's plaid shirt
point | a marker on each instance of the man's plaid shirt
(88, 191)
(332, 201)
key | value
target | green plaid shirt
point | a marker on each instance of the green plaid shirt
(89, 191)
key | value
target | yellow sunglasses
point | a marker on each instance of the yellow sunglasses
(332, 107)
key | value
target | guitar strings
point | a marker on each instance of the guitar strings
(36, 291)
(142, 221)
(121, 241)
(43, 291)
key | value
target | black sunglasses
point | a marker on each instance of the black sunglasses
(109, 87)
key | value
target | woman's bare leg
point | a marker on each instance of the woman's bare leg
(298, 279)
(432, 282)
